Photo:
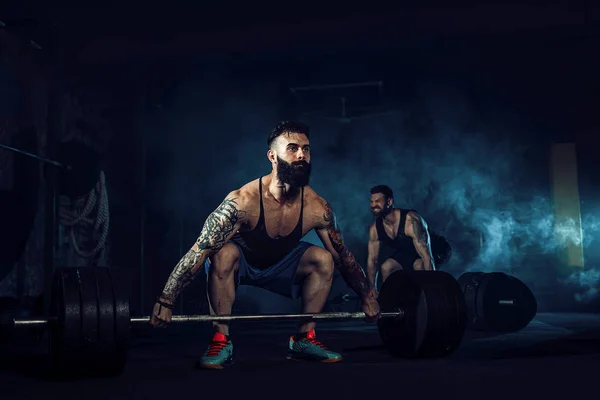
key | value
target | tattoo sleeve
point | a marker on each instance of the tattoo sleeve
(421, 242)
(350, 269)
(217, 228)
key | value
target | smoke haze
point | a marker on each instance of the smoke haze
(472, 168)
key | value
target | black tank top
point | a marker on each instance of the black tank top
(402, 242)
(260, 250)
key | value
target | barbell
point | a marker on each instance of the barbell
(497, 302)
(423, 316)
(79, 166)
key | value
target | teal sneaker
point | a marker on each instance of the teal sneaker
(219, 353)
(310, 349)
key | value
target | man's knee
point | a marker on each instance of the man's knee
(418, 265)
(388, 267)
(317, 259)
(226, 260)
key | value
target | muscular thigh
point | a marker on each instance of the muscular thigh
(226, 259)
(388, 267)
(418, 265)
(314, 258)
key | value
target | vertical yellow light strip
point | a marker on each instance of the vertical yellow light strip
(566, 206)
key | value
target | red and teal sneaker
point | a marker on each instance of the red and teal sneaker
(310, 349)
(218, 354)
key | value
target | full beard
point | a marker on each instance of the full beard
(381, 212)
(296, 174)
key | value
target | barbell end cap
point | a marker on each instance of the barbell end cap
(400, 313)
(31, 323)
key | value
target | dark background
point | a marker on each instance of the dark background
(471, 98)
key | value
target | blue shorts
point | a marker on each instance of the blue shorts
(406, 258)
(278, 278)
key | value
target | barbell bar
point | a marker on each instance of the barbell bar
(41, 323)
(44, 322)
(424, 316)
(504, 302)
(79, 166)
(37, 157)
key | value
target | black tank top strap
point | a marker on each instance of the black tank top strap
(261, 216)
(301, 208)
(379, 228)
(381, 234)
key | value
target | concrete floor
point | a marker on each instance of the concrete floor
(557, 355)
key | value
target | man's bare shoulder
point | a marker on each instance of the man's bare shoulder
(373, 231)
(245, 196)
(310, 195)
(412, 215)
(313, 200)
(249, 191)
(319, 208)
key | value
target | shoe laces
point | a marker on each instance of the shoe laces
(215, 347)
(315, 342)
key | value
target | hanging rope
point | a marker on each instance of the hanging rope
(97, 198)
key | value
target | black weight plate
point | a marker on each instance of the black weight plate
(497, 302)
(7, 327)
(91, 314)
(470, 283)
(401, 336)
(445, 314)
(65, 342)
(509, 305)
(89, 321)
(122, 319)
(435, 315)
(106, 321)
(114, 323)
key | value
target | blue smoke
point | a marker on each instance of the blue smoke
(468, 170)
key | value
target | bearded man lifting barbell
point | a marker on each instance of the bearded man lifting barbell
(253, 237)
(406, 232)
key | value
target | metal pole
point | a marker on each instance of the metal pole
(271, 317)
(46, 160)
(211, 318)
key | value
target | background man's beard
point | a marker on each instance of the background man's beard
(382, 212)
(292, 174)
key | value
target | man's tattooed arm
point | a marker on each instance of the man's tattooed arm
(331, 236)
(218, 228)
(417, 230)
